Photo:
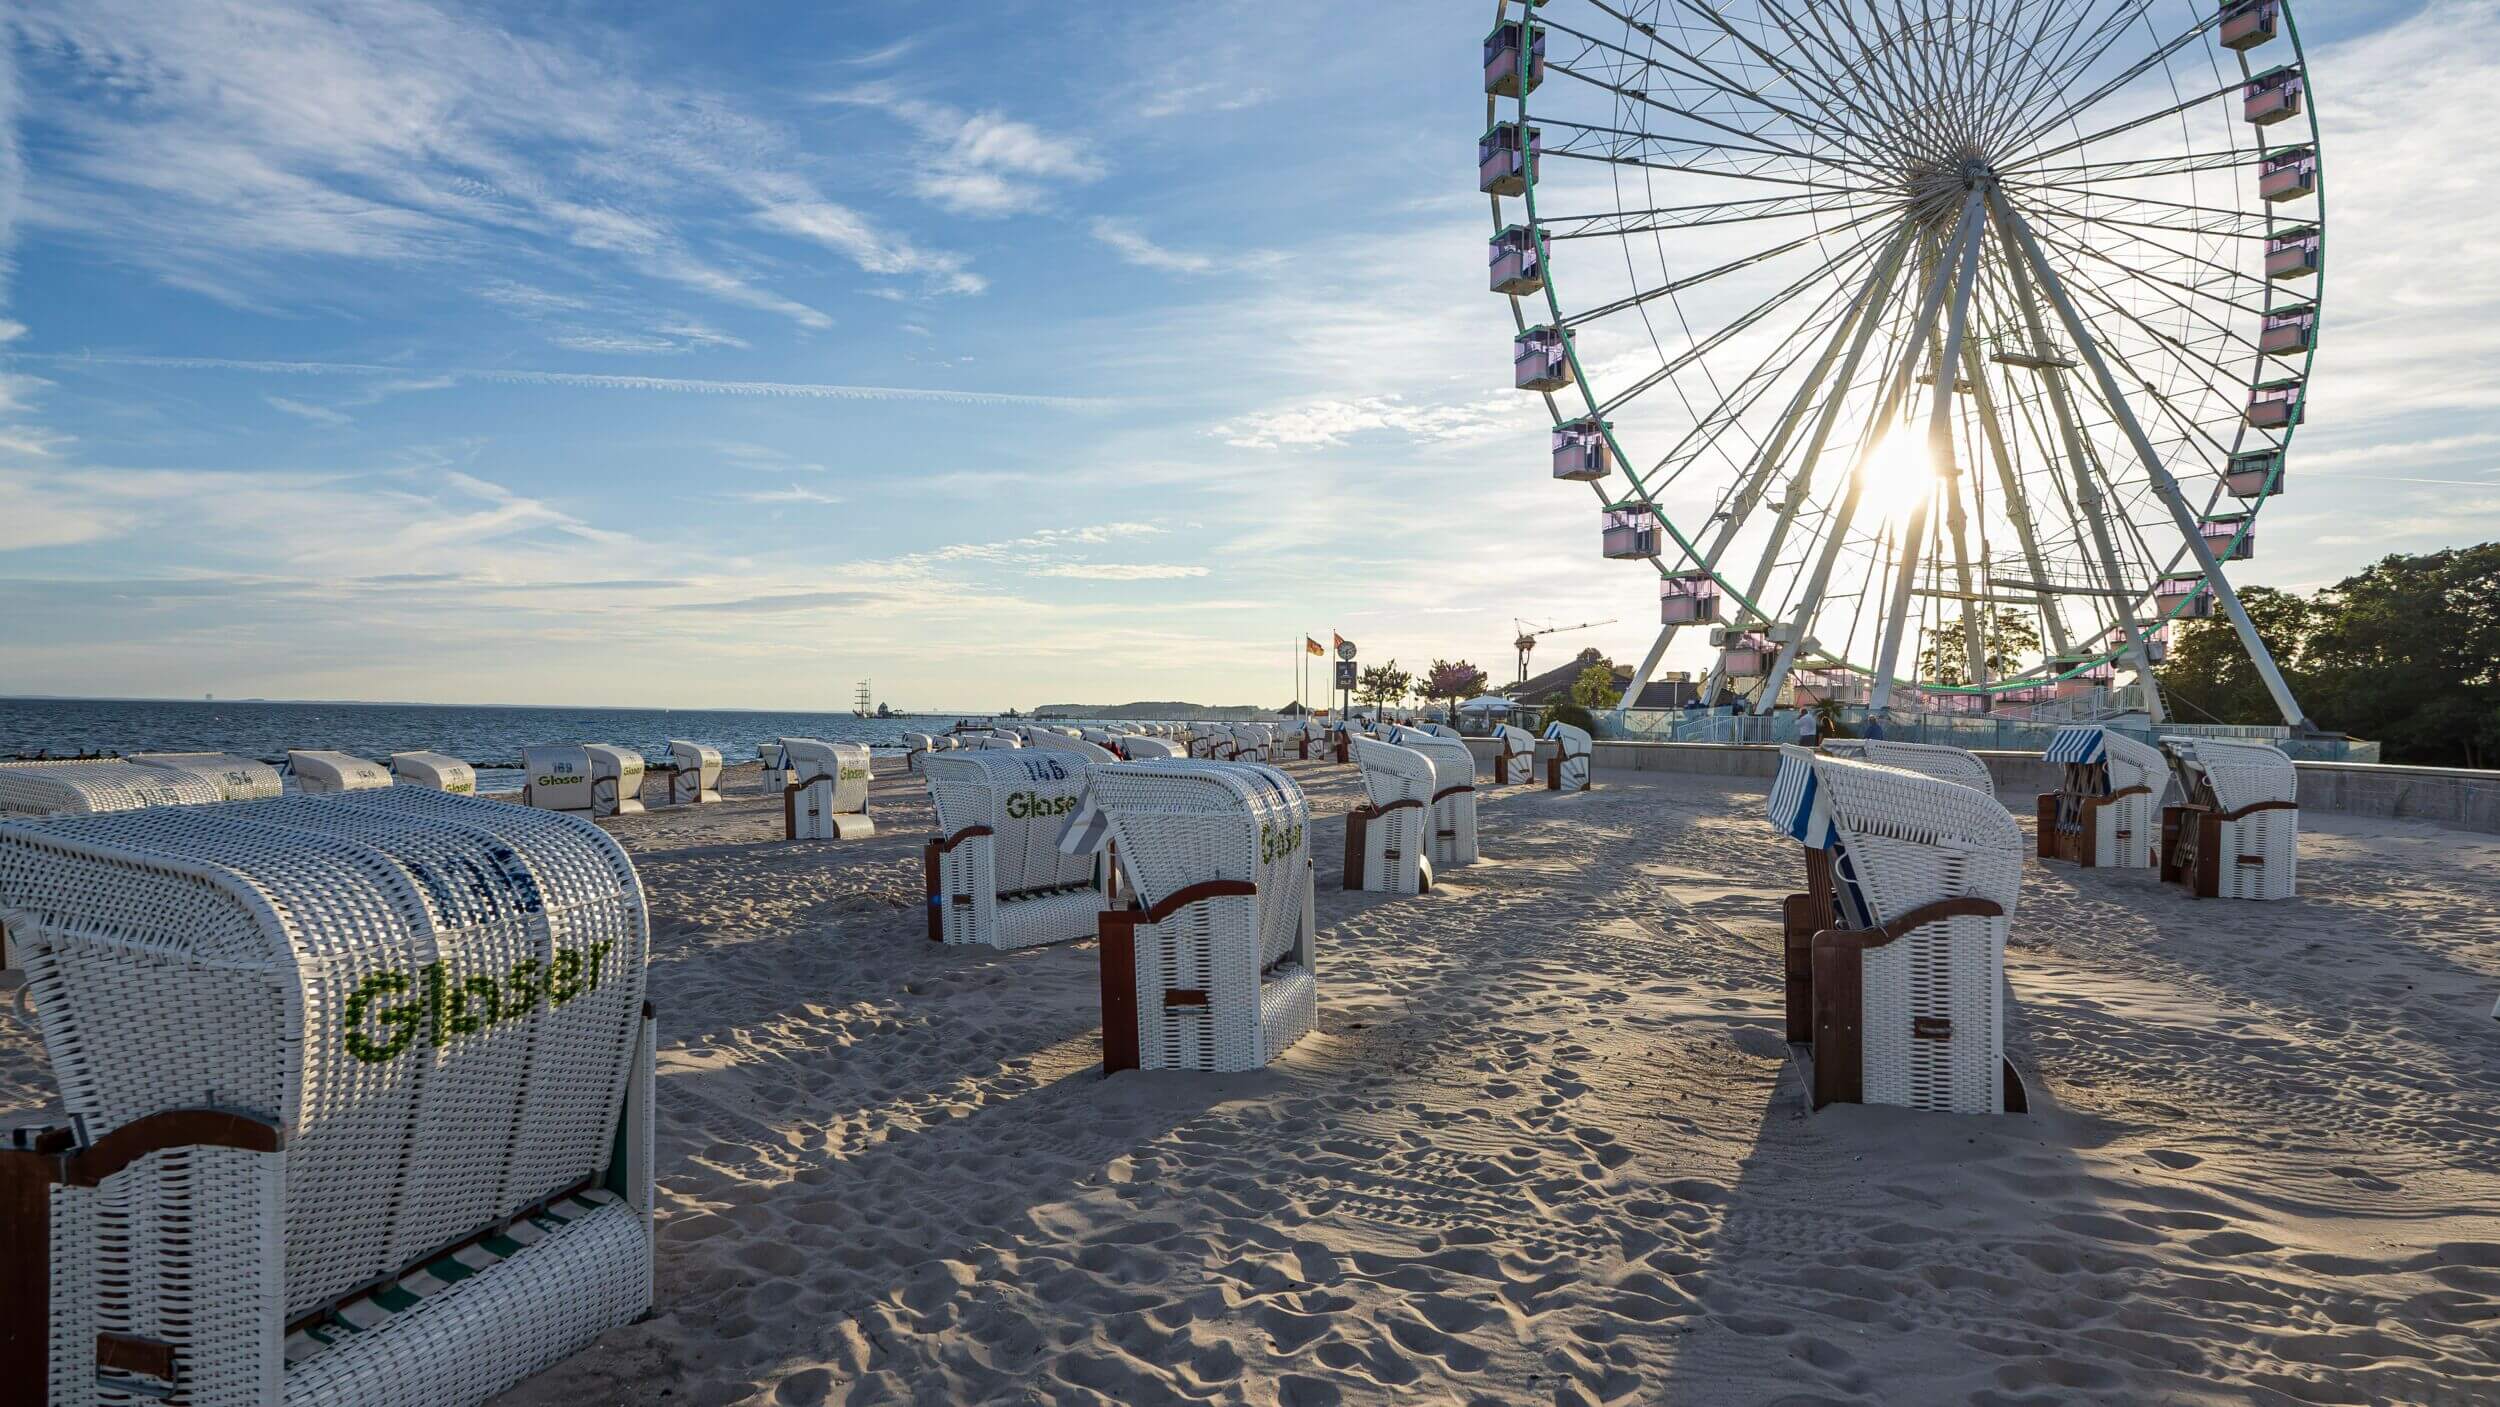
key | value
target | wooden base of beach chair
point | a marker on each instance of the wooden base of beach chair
(1832, 1002)
(1344, 757)
(1235, 1016)
(2195, 846)
(1358, 850)
(2082, 845)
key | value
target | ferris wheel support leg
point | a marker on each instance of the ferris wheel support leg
(2163, 484)
(2010, 484)
(1940, 454)
(1931, 305)
(2087, 494)
(1640, 676)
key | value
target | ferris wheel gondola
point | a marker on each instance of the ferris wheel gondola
(1872, 328)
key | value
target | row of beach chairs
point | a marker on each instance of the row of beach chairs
(1894, 954)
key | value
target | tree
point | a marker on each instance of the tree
(2208, 677)
(2007, 638)
(1595, 688)
(1455, 681)
(1383, 685)
(2408, 652)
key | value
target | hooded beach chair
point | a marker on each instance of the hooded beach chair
(1514, 756)
(582, 779)
(694, 778)
(1211, 967)
(2236, 833)
(358, 1096)
(1059, 742)
(94, 786)
(827, 796)
(1565, 751)
(1140, 748)
(994, 872)
(1895, 954)
(2103, 813)
(1945, 764)
(915, 747)
(1453, 794)
(1388, 846)
(318, 773)
(433, 769)
(235, 778)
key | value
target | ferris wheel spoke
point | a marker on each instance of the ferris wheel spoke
(1715, 340)
(1660, 219)
(2167, 487)
(1826, 81)
(2158, 57)
(2029, 163)
(1650, 151)
(2133, 169)
(1674, 286)
(2017, 507)
(1706, 77)
(1768, 147)
(2167, 289)
(1894, 113)
(2046, 77)
(1811, 87)
(1822, 120)
(2222, 274)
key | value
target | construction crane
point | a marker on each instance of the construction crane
(1526, 643)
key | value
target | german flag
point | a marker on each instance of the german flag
(1312, 645)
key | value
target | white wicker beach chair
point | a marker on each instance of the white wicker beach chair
(235, 778)
(95, 786)
(2105, 812)
(433, 769)
(1514, 759)
(695, 778)
(1091, 752)
(615, 780)
(2236, 834)
(1388, 846)
(1211, 968)
(1453, 793)
(1139, 748)
(1566, 752)
(827, 796)
(318, 773)
(1945, 764)
(994, 873)
(359, 1097)
(1896, 952)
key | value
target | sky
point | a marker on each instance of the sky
(1003, 354)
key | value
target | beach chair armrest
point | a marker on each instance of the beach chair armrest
(223, 1175)
(1863, 939)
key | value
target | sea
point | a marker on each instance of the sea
(490, 736)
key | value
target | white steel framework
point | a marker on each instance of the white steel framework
(1916, 322)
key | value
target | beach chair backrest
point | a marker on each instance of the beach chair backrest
(554, 777)
(2240, 774)
(1393, 773)
(849, 766)
(1945, 764)
(317, 771)
(436, 998)
(433, 769)
(1515, 738)
(1452, 764)
(1141, 748)
(1183, 821)
(1024, 795)
(235, 778)
(1047, 741)
(94, 787)
(1574, 742)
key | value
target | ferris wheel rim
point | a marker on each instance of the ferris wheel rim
(1695, 563)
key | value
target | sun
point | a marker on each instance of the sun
(1899, 476)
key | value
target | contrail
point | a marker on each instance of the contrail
(677, 385)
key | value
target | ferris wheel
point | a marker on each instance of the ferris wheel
(1925, 348)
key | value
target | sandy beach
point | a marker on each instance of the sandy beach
(1544, 1147)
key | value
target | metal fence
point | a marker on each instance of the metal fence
(1979, 733)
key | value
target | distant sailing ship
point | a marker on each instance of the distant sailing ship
(860, 705)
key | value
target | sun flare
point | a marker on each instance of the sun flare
(1899, 476)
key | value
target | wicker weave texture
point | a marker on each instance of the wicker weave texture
(1011, 888)
(1399, 782)
(1453, 813)
(1945, 764)
(235, 778)
(1907, 840)
(1178, 823)
(437, 998)
(94, 788)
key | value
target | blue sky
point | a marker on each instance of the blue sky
(1004, 353)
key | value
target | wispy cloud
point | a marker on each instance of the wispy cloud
(982, 164)
(432, 137)
(1131, 244)
(319, 415)
(1122, 571)
(520, 376)
(1318, 423)
(794, 493)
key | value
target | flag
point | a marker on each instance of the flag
(1312, 645)
(1339, 639)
